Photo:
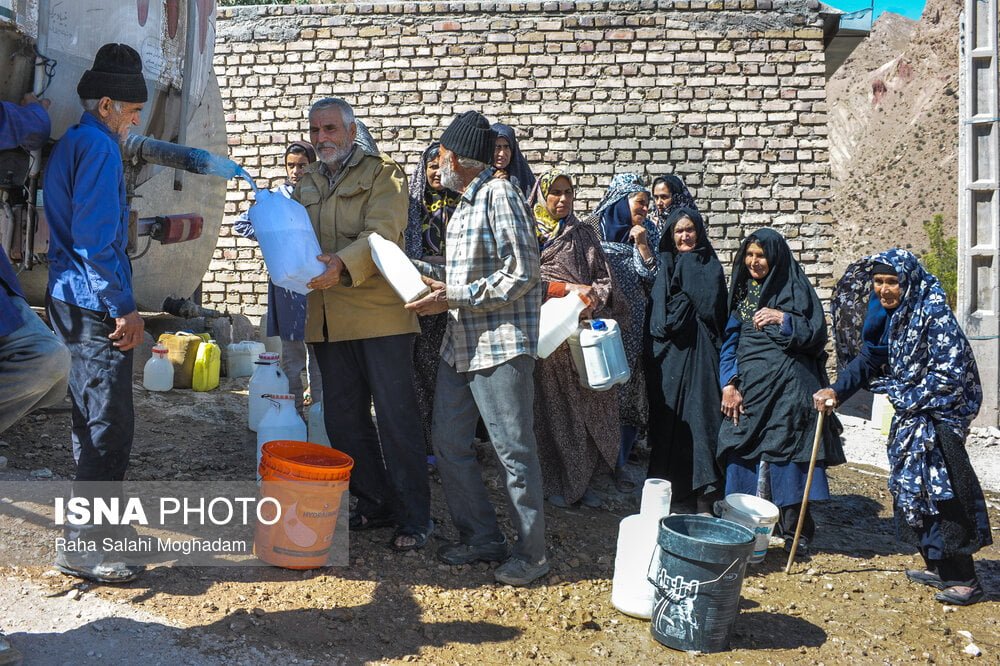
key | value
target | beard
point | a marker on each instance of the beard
(340, 153)
(449, 179)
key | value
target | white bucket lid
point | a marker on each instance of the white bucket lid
(752, 505)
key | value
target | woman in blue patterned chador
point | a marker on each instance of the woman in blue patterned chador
(896, 335)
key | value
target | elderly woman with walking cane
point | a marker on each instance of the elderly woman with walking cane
(771, 363)
(897, 335)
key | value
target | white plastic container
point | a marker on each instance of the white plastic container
(756, 514)
(599, 354)
(287, 240)
(240, 357)
(282, 421)
(158, 373)
(397, 269)
(560, 317)
(631, 591)
(268, 377)
(317, 426)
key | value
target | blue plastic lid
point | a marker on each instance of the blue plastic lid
(598, 325)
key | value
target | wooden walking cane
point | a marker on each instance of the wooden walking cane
(809, 481)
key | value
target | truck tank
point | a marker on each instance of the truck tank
(46, 45)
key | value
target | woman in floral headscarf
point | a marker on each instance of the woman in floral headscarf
(431, 206)
(629, 240)
(669, 194)
(896, 335)
(509, 162)
(576, 428)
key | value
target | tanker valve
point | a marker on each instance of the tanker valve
(169, 229)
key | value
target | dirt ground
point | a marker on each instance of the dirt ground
(849, 604)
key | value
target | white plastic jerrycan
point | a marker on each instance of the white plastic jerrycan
(158, 373)
(317, 425)
(599, 354)
(282, 421)
(240, 357)
(397, 269)
(287, 240)
(559, 319)
(267, 378)
(631, 591)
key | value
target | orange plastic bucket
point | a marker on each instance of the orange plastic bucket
(308, 481)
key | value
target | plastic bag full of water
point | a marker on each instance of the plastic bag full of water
(287, 241)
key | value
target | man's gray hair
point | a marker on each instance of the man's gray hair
(90, 105)
(469, 163)
(346, 112)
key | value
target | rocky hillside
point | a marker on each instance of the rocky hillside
(894, 133)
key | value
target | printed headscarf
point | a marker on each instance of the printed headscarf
(429, 210)
(364, 139)
(518, 170)
(614, 217)
(932, 377)
(680, 197)
(547, 227)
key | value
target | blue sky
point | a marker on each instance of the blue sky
(908, 8)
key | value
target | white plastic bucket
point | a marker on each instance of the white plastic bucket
(757, 514)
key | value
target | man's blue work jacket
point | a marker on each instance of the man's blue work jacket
(88, 220)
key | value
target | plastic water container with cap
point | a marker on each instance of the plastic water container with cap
(559, 319)
(158, 373)
(240, 357)
(631, 591)
(599, 354)
(317, 425)
(267, 378)
(281, 422)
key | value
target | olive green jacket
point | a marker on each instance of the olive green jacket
(369, 195)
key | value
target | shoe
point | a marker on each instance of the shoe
(623, 483)
(419, 539)
(99, 572)
(9, 655)
(590, 499)
(557, 501)
(951, 596)
(463, 553)
(802, 551)
(925, 578)
(518, 572)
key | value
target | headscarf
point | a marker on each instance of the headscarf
(429, 210)
(615, 225)
(548, 228)
(518, 170)
(306, 147)
(786, 287)
(932, 377)
(698, 273)
(680, 198)
(364, 139)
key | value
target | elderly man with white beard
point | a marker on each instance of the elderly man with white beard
(362, 335)
(491, 290)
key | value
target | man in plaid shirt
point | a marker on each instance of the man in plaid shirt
(493, 297)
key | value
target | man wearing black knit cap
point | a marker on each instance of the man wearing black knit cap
(89, 300)
(493, 296)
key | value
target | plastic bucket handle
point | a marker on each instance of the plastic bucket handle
(666, 593)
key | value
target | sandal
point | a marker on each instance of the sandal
(360, 522)
(925, 578)
(623, 483)
(419, 539)
(951, 596)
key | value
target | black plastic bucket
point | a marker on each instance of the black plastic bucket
(698, 581)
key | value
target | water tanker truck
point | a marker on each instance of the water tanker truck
(45, 46)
